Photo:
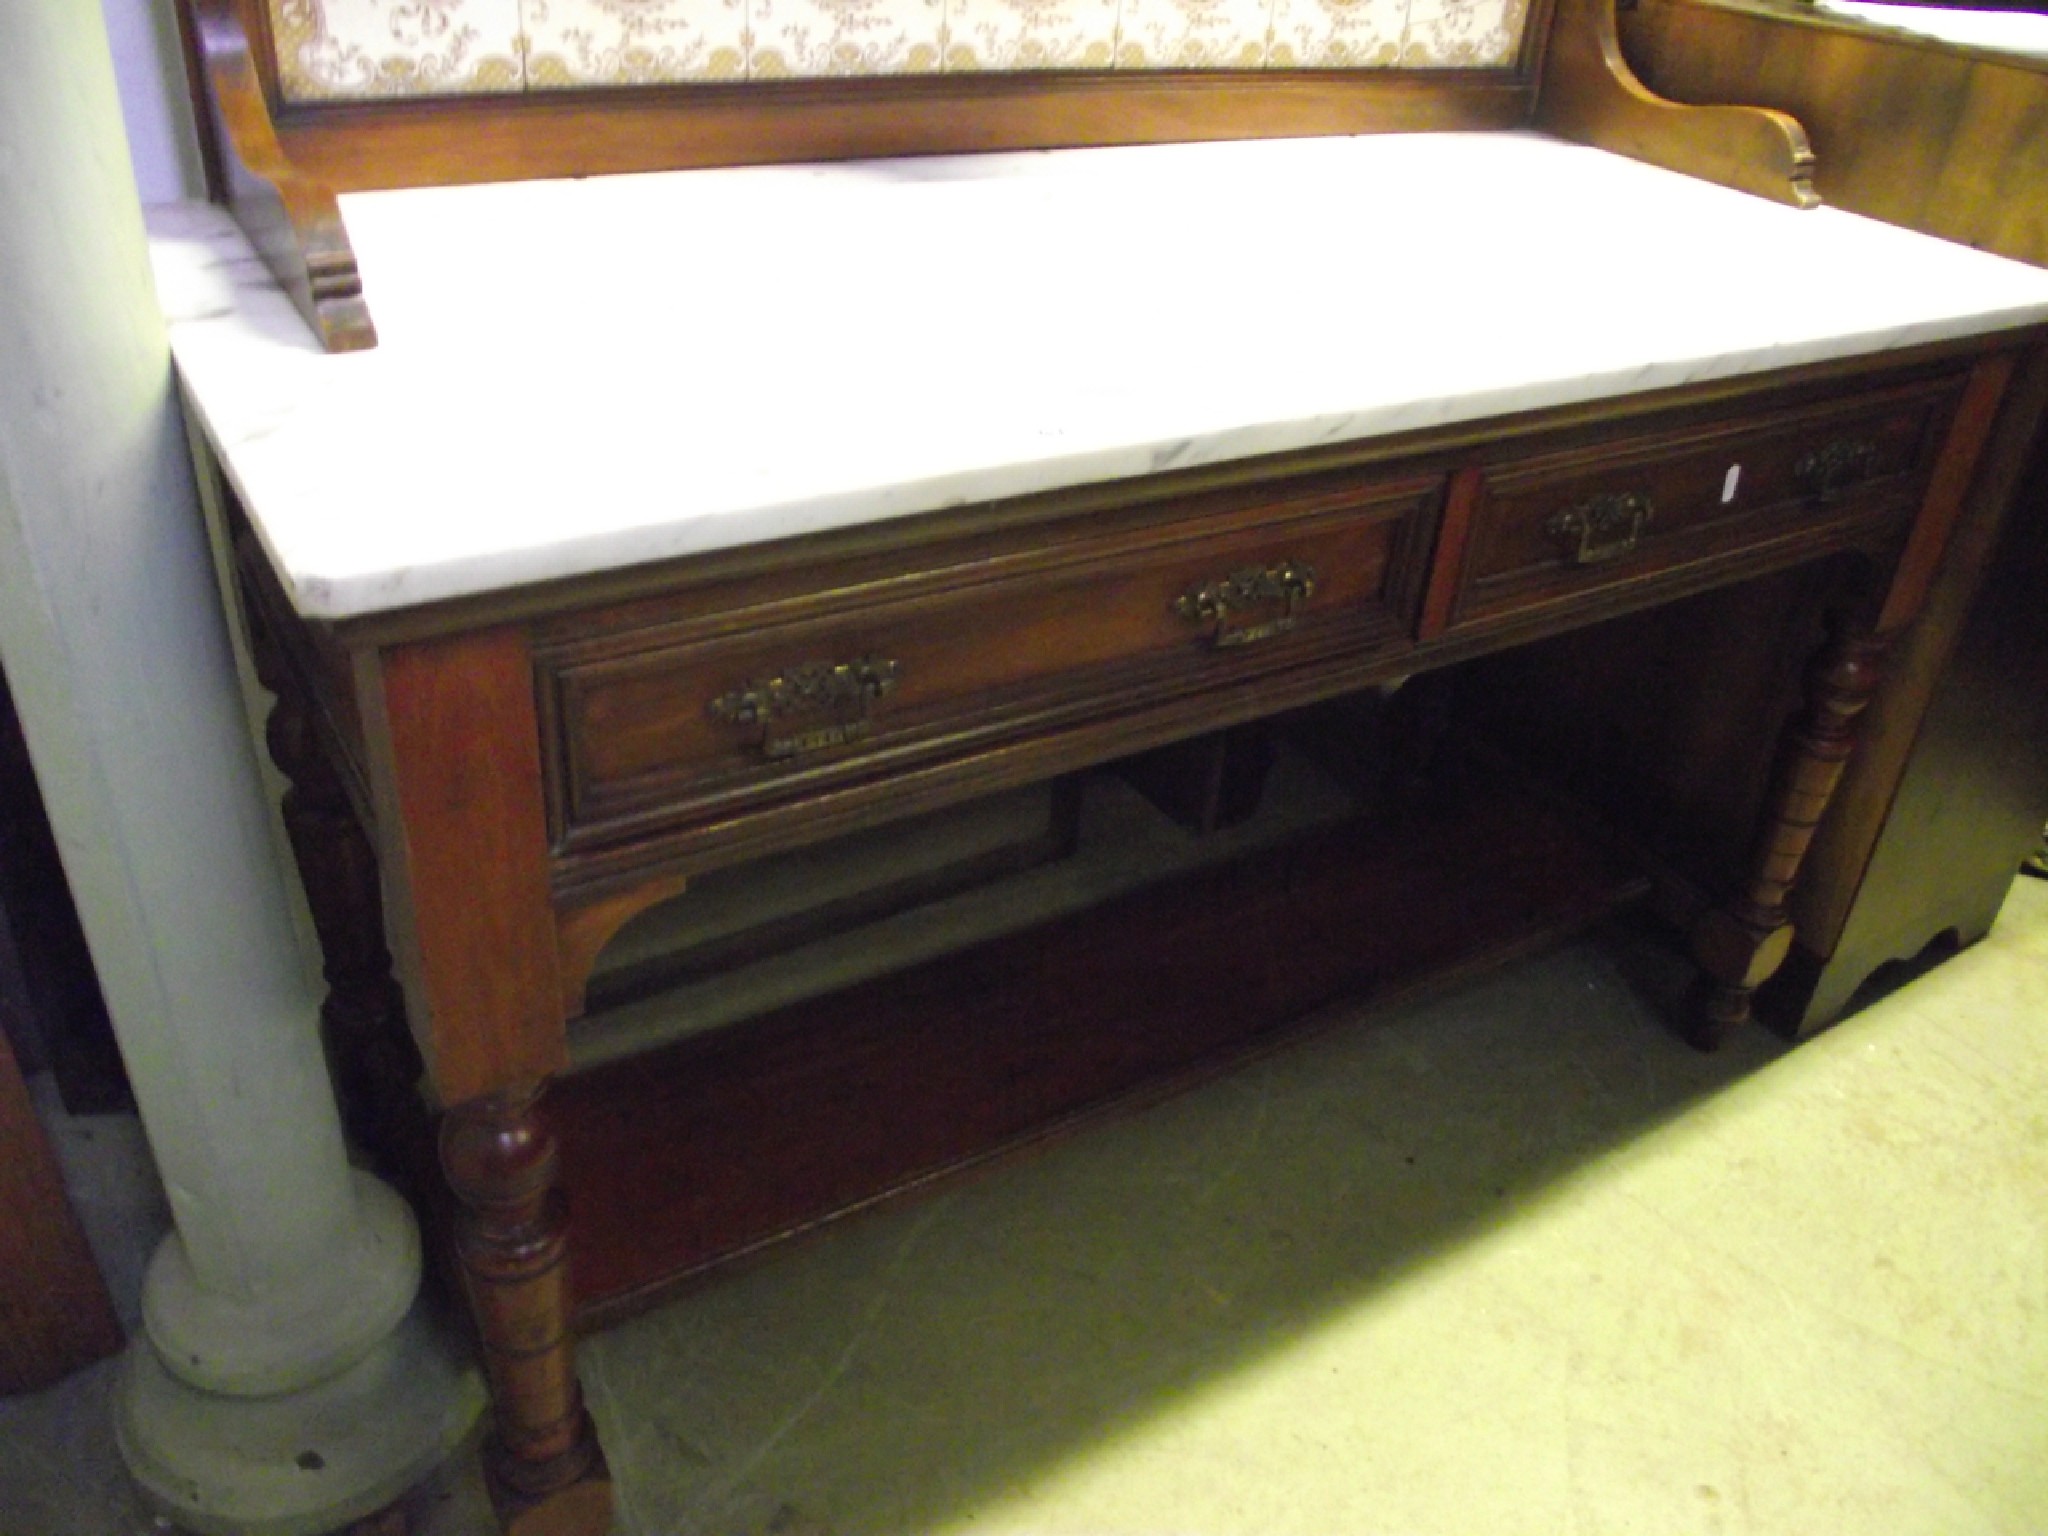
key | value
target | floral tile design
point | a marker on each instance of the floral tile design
(632, 42)
(330, 50)
(1337, 34)
(845, 37)
(1463, 34)
(1030, 34)
(1193, 34)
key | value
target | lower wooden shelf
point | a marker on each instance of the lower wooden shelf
(720, 1145)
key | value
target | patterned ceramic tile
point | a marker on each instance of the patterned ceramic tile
(844, 37)
(1193, 34)
(633, 42)
(1463, 34)
(348, 49)
(1336, 34)
(1030, 34)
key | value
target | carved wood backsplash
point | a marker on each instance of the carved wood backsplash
(341, 50)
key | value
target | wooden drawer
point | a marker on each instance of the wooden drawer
(1653, 503)
(708, 713)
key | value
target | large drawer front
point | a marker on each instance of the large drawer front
(1563, 524)
(711, 713)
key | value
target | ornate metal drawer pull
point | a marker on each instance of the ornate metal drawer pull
(1288, 585)
(842, 691)
(1601, 528)
(1825, 473)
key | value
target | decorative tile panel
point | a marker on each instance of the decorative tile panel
(1337, 34)
(1030, 34)
(633, 42)
(330, 50)
(845, 37)
(338, 50)
(1463, 34)
(1193, 34)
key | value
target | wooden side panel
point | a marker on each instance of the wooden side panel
(1946, 489)
(455, 765)
(1936, 586)
(1590, 94)
(1940, 139)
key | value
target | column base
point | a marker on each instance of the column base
(292, 1338)
(299, 1463)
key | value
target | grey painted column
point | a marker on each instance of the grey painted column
(285, 1384)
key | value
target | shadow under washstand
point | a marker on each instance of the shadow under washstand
(944, 1353)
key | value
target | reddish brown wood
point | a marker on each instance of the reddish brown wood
(583, 931)
(1740, 945)
(546, 1471)
(455, 764)
(1447, 568)
(1520, 556)
(605, 132)
(831, 1104)
(1948, 140)
(1590, 94)
(1946, 490)
(292, 220)
(55, 1315)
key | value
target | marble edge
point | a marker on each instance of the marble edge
(338, 597)
(211, 281)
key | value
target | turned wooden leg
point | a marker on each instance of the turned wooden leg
(546, 1472)
(375, 1064)
(1739, 946)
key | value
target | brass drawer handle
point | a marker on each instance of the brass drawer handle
(1601, 528)
(1288, 585)
(1825, 473)
(841, 691)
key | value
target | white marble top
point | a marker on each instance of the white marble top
(582, 375)
(2020, 32)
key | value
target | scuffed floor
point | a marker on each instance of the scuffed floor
(1511, 1261)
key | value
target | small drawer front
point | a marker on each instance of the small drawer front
(1649, 504)
(723, 711)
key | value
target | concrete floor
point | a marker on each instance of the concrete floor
(1510, 1261)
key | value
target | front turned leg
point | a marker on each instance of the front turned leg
(1740, 946)
(546, 1471)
